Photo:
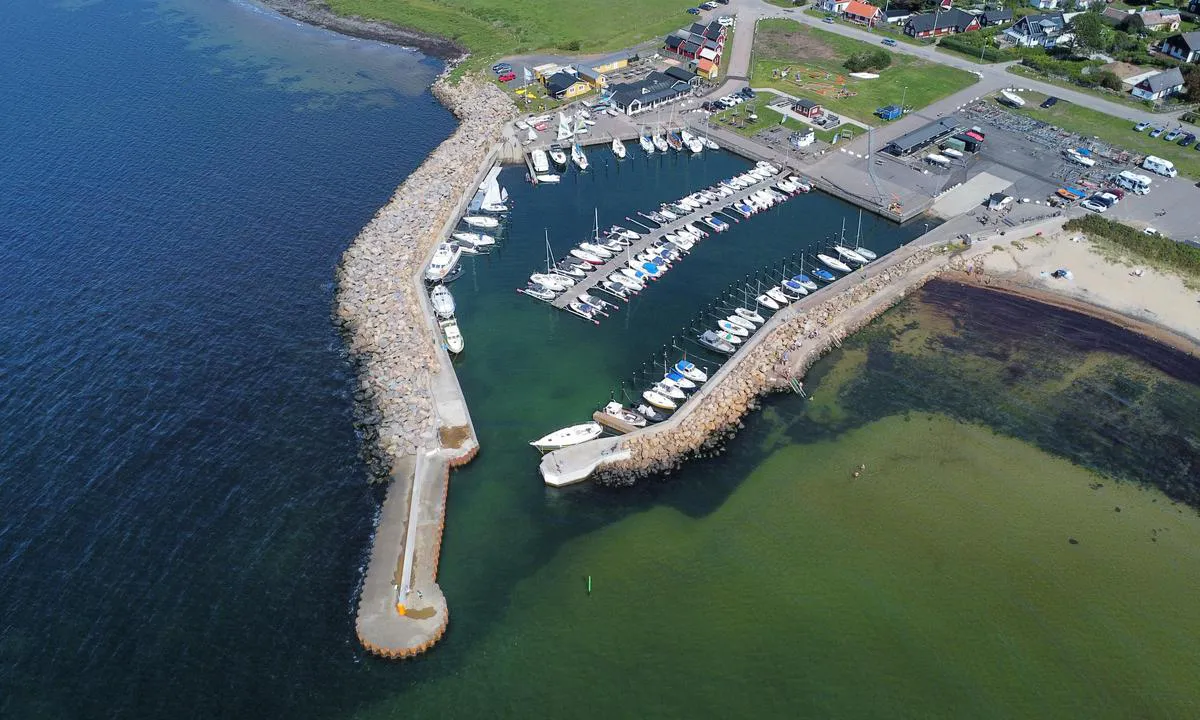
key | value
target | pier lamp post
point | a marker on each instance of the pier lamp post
(903, 96)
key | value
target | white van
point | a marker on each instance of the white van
(1139, 184)
(1160, 166)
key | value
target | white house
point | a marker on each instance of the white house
(1160, 86)
(834, 6)
(1184, 46)
(1044, 4)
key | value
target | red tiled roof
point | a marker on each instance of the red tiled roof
(861, 9)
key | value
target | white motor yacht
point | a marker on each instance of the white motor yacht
(541, 164)
(442, 301)
(624, 414)
(618, 148)
(691, 372)
(445, 258)
(482, 221)
(454, 338)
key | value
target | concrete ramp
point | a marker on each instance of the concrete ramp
(574, 464)
(971, 194)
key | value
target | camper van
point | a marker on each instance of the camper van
(1133, 182)
(1160, 166)
(1079, 157)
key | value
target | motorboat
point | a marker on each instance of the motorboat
(627, 282)
(615, 289)
(764, 165)
(578, 157)
(597, 250)
(442, 301)
(851, 255)
(444, 260)
(660, 143)
(801, 185)
(558, 155)
(658, 400)
(679, 380)
(550, 178)
(823, 275)
(805, 281)
(647, 144)
(716, 223)
(742, 322)
(711, 340)
(697, 230)
(671, 391)
(624, 414)
(674, 141)
(689, 203)
(750, 315)
(791, 294)
(669, 215)
(541, 163)
(478, 241)
(743, 209)
(553, 281)
(777, 295)
(569, 436)
(577, 264)
(595, 302)
(583, 310)
(794, 287)
(618, 148)
(541, 292)
(733, 328)
(569, 269)
(482, 221)
(627, 234)
(689, 370)
(729, 337)
(454, 338)
(650, 413)
(711, 144)
(586, 256)
(767, 301)
(634, 272)
(833, 263)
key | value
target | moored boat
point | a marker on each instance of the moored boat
(482, 221)
(806, 281)
(833, 263)
(443, 262)
(689, 370)
(658, 400)
(851, 255)
(624, 414)
(742, 322)
(569, 436)
(558, 155)
(587, 257)
(671, 391)
(454, 338)
(778, 296)
(767, 301)
(650, 413)
(442, 301)
(733, 328)
(541, 163)
(823, 275)
(750, 315)
(712, 341)
(647, 144)
(578, 157)
(618, 148)
(548, 178)
(660, 143)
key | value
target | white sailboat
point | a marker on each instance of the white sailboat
(834, 263)
(569, 436)
(618, 148)
(858, 248)
(578, 157)
(564, 128)
(646, 143)
(482, 221)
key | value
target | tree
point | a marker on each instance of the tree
(868, 60)
(1191, 83)
(1108, 79)
(1133, 24)
(1090, 31)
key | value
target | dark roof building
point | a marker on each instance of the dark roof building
(561, 81)
(897, 15)
(1184, 46)
(989, 18)
(678, 73)
(944, 22)
(657, 89)
(923, 137)
(1033, 30)
(1157, 87)
(806, 107)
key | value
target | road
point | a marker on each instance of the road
(993, 77)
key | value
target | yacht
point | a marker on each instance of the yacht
(710, 340)
(477, 241)
(442, 301)
(558, 155)
(647, 144)
(578, 157)
(569, 436)
(742, 322)
(587, 257)
(444, 260)
(482, 221)
(618, 148)
(541, 163)
(658, 400)
(767, 301)
(660, 143)
(851, 255)
(690, 371)
(733, 328)
(806, 282)
(750, 315)
(624, 414)
(550, 178)
(541, 292)
(454, 338)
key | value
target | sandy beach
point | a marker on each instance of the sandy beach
(1152, 302)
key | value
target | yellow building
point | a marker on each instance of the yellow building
(564, 85)
(612, 62)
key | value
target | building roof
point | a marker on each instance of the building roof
(1165, 80)
(705, 65)
(899, 13)
(806, 103)
(674, 40)
(861, 9)
(995, 16)
(924, 135)
(928, 22)
(654, 88)
(1188, 41)
(1114, 15)
(616, 57)
(1159, 17)
(678, 73)
(560, 81)
(588, 73)
(1043, 24)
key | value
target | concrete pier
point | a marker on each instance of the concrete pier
(587, 284)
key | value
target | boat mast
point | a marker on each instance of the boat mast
(858, 235)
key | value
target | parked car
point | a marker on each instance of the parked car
(508, 76)
(889, 42)
(1094, 204)
(725, 21)
(709, 6)
(748, 93)
(501, 68)
(1049, 102)
(1116, 192)
(1170, 137)
(1157, 132)
(1187, 139)
(827, 19)
(1150, 231)
(1141, 127)
(693, 11)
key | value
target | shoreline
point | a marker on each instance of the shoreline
(318, 14)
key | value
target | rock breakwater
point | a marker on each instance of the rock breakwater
(380, 302)
(792, 345)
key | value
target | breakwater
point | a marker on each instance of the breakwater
(791, 342)
(409, 406)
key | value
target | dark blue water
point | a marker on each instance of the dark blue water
(184, 514)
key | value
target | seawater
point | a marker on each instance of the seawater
(186, 519)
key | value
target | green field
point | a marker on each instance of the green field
(783, 44)
(1113, 130)
(495, 28)
(736, 119)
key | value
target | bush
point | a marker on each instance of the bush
(974, 48)
(1109, 79)
(868, 61)
(1152, 248)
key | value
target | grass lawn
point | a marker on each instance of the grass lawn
(1113, 130)
(494, 28)
(1122, 98)
(782, 3)
(735, 119)
(781, 44)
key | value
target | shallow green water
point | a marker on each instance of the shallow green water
(769, 581)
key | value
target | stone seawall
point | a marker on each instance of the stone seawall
(379, 302)
(790, 348)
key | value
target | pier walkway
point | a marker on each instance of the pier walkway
(587, 284)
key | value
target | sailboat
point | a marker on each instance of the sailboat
(564, 128)
(646, 143)
(660, 143)
(858, 248)
(834, 263)
(569, 436)
(578, 157)
(580, 126)
(618, 148)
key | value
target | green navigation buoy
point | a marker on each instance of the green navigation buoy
(589, 584)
